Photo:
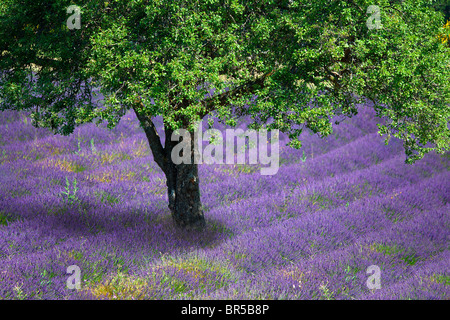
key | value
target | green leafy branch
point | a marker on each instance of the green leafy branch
(70, 196)
(303, 158)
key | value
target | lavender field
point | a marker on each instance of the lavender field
(97, 200)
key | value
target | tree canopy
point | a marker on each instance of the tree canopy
(443, 6)
(305, 61)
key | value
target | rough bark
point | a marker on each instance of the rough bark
(183, 188)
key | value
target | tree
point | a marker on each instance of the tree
(331, 54)
(444, 6)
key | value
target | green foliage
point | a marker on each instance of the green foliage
(320, 200)
(46, 277)
(285, 52)
(93, 148)
(6, 218)
(106, 197)
(92, 145)
(70, 196)
(443, 6)
(441, 278)
(3, 156)
(79, 147)
(408, 257)
(303, 158)
(19, 294)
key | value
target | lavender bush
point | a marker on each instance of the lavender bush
(335, 207)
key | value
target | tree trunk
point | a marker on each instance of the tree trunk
(183, 186)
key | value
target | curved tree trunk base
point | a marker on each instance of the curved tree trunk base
(184, 196)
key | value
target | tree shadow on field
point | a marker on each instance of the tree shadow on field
(137, 228)
(127, 229)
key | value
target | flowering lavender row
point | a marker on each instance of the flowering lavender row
(97, 200)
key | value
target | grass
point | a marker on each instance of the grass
(120, 287)
(20, 192)
(6, 218)
(237, 169)
(106, 197)
(111, 176)
(109, 158)
(67, 166)
(409, 258)
(318, 199)
(391, 214)
(327, 294)
(169, 273)
(94, 278)
(441, 278)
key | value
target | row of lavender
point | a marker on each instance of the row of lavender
(97, 200)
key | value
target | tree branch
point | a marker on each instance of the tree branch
(152, 136)
(240, 90)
